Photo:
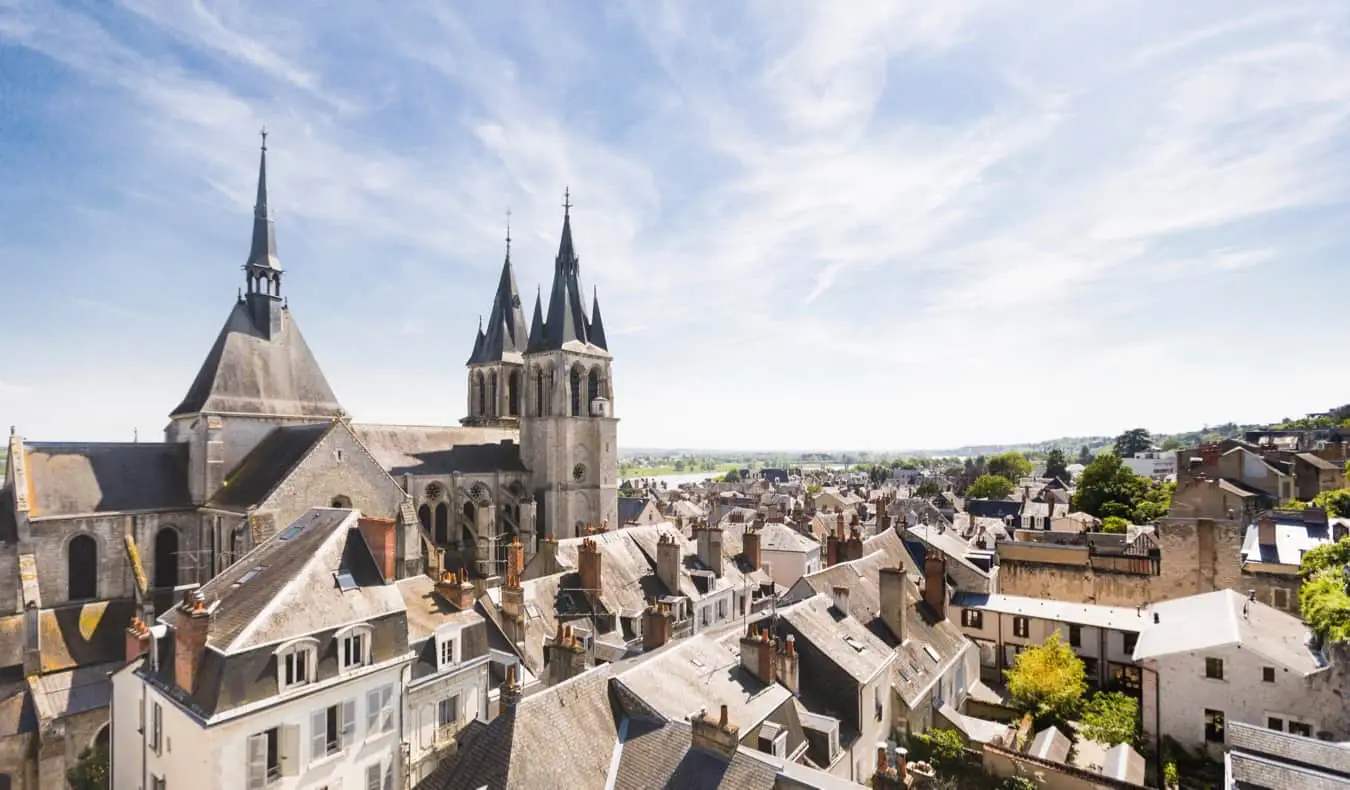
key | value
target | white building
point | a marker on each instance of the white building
(285, 671)
(1157, 464)
(1220, 657)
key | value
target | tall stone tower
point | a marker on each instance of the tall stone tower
(497, 364)
(568, 432)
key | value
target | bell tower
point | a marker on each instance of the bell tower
(497, 363)
(568, 435)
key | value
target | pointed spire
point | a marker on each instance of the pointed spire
(566, 321)
(597, 327)
(537, 323)
(263, 251)
(505, 334)
(567, 257)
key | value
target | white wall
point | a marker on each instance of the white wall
(786, 567)
(422, 732)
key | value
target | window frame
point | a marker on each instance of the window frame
(973, 618)
(1213, 668)
(271, 768)
(1129, 642)
(1267, 674)
(1307, 729)
(364, 637)
(380, 710)
(1075, 635)
(1215, 725)
(449, 636)
(1021, 626)
(451, 702)
(156, 727)
(291, 650)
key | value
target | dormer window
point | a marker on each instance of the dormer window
(296, 663)
(449, 648)
(354, 648)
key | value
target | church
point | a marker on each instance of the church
(92, 534)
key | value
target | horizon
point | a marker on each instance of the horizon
(908, 226)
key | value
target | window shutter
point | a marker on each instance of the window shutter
(389, 776)
(257, 761)
(373, 776)
(372, 711)
(290, 750)
(348, 722)
(318, 734)
(387, 709)
(426, 725)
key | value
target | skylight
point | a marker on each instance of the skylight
(291, 531)
(855, 644)
(249, 574)
(933, 654)
(345, 581)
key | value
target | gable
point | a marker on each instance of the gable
(337, 468)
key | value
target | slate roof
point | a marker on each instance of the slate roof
(441, 450)
(268, 464)
(1317, 462)
(1292, 539)
(847, 642)
(630, 508)
(292, 590)
(506, 335)
(428, 611)
(1262, 759)
(67, 479)
(1119, 618)
(247, 373)
(1215, 619)
(74, 691)
(567, 325)
(656, 755)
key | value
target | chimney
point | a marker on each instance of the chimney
(839, 525)
(1265, 531)
(935, 582)
(709, 538)
(883, 515)
(138, 639)
(511, 688)
(655, 627)
(840, 599)
(669, 558)
(548, 551)
(588, 568)
(381, 539)
(564, 657)
(459, 593)
(887, 776)
(515, 563)
(831, 550)
(190, 639)
(750, 548)
(757, 655)
(893, 600)
(851, 549)
(787, 665)
(720, 737)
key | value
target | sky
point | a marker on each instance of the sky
(811, 225)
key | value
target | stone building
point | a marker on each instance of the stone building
(92, 534)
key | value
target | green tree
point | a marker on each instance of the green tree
(1011, 465)
(90, 771)
(734, 476)
(679, 465)
(1328, 555)
(1056, 465)
(1135, 440)
(1084, 455)
(945, 749)
(1335, 503)
(990, 487)
(1107, 487)
(1019, 783)
(1110, 717)
(1047, 680)
(1171, 443)
(928, 489)
(1115, 524)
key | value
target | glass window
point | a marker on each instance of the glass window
(1213, 726)
(1214, 668)
(354, 649)
(972, 618)
(1268, 674)
(1130, 641)
(1275, 723)
(1021, 627)
(447, 711)
(1075, 636)
(447, 651)
(1299, 728)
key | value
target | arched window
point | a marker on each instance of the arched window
(491, 409)
(341, 502)
(576, 391)
(81, 568)
(424, 516)
(482, 395)
(592, 386)
(166, 558)
(442, 524)
(539, 392)
(236, 545)
(513, 393)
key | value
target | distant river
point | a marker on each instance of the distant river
(674, 481)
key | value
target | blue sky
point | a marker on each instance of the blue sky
(812, 225)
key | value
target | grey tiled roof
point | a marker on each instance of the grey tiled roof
(267, 464)
(847, 642)
(440, 450)
(69, 478)
(1330, 757)
(248, 373)
(74, 691)
(656, 755)
(1216, 619)
(506, 335)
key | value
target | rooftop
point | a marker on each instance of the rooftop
(1118, 618)
(1216, 619)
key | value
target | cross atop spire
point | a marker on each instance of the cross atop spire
(264, 137)
(508, 233)
(567, 201)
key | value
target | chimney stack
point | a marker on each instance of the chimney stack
(669, 559)
(750, 547)
(840, 600)
(381, 539)
(515, 563)
(894, 602)
(138, 639)
(511, 692)
(564, 657)
(548, 554)
(588, 569)
(458, 593)
(190, 639)
(1265, 531)
(720, 736)
(935, 582)
(787, 665)
(656, 623)
(709, 538)
(757, 655)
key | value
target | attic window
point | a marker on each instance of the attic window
(249, 574)
(345, 581)
(933, 654)
(291, 532)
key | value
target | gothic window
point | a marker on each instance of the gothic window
(539, 392)
(424, 517)
(592, 386)
(576, 391)
(482, 395)
(81, 568)
(166, 558)
(491, 409)
(442, 523)
(513, 393)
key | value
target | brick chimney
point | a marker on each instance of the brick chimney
(190, 639)
(511, 691)
(564, 657)
(515, 562)
(894, 602)
(720, 736)
(787, 665)
(831, 550)
(757, 655)
(935, 582)
(851, 549)
(709, 539)
(669, 558)
(457, 591)
(840, 598)
(1265, 531)
(548, 552)
(750, 547)
(883, 514)
(138, 639)
(887, 776)
(588, 568)
(656, 622)
(381, 538)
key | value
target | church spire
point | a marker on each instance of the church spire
(597, 328)
(504, 336)
(263, 251)
(566, 323)
(537, 323)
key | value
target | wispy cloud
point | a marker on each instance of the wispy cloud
(902, 199)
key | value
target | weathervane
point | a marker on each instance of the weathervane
(264, 137)
(508, 231)
(567, 200)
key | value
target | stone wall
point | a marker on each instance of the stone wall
(115, 577)
(1073, 583)
(337, 467)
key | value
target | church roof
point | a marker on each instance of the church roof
(506, 336)
(247, 373)
(567, 325)
(428, 450)
(69, 479)
(268, 464)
